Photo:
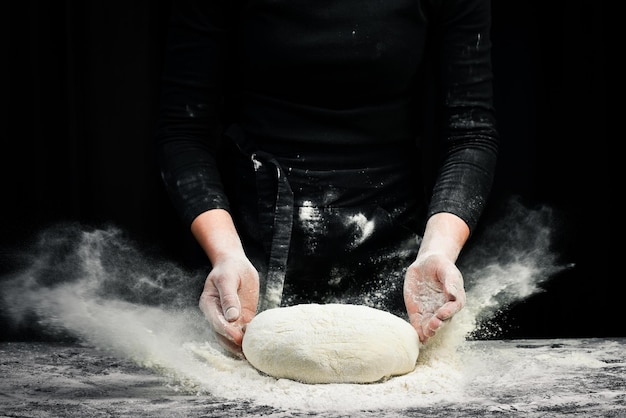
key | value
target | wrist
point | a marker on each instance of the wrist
(445, 235)
(215, 231)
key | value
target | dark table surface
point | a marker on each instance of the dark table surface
(533, 378)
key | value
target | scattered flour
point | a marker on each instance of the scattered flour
(365, 227)
(99, 287)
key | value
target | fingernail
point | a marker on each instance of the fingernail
(231, 314)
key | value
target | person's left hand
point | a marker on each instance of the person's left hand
(433, 293)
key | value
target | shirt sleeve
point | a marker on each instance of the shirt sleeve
(468, 138)
(189, 125)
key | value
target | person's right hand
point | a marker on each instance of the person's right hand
(229, 300)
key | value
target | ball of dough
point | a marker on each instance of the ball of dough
(330, 343)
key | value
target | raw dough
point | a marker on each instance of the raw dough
(331, 343)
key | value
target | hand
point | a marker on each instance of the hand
(433, 293)
(229, 300)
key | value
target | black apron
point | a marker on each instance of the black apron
(323, 227)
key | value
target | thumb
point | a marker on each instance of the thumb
(229, 300)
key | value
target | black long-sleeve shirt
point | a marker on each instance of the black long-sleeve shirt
(325, 74)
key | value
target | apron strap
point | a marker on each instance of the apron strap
(271, 296)
(269, 171)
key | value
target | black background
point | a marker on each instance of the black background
(82, 96)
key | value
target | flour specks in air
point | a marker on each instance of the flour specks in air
(99, 286)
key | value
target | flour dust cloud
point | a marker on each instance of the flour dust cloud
(98, 286)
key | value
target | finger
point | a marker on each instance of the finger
(229, 299)
(441, 317)
(431, 327)
(230, 346)
(456, 300)
(229, 336)
(453, 285)
(448, 310)
(415, 319)
(210, 306)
